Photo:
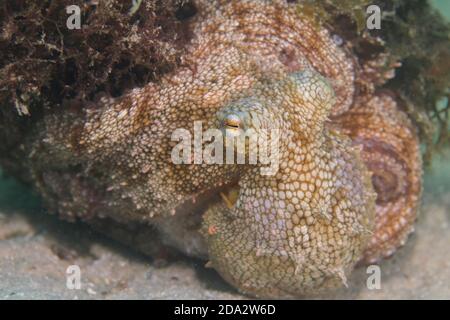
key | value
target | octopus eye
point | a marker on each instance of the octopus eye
(232, 121)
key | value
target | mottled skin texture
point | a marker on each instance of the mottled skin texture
(390, 150)
(300, 231)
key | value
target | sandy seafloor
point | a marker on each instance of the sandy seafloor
(36, 248)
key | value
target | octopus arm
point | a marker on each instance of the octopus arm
(391, 151)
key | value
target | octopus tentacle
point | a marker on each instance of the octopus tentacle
(391, 152)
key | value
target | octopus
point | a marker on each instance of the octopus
(347, 189)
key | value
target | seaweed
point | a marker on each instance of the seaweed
(46, 67)
(420, 37)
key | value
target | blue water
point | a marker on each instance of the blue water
(443, 6)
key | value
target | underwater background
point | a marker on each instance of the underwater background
(443, 6)
(36, 248)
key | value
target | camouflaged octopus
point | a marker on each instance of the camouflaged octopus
(347, 189)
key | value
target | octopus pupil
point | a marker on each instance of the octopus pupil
(232, 125)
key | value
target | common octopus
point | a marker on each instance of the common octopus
(348, 187)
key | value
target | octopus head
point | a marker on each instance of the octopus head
(247, 125)
(298, 231)
(276, 109)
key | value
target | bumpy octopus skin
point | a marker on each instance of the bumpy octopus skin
(302, 229)
(390, 150)
(349, 179)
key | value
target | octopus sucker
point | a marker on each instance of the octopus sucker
(348, 182)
